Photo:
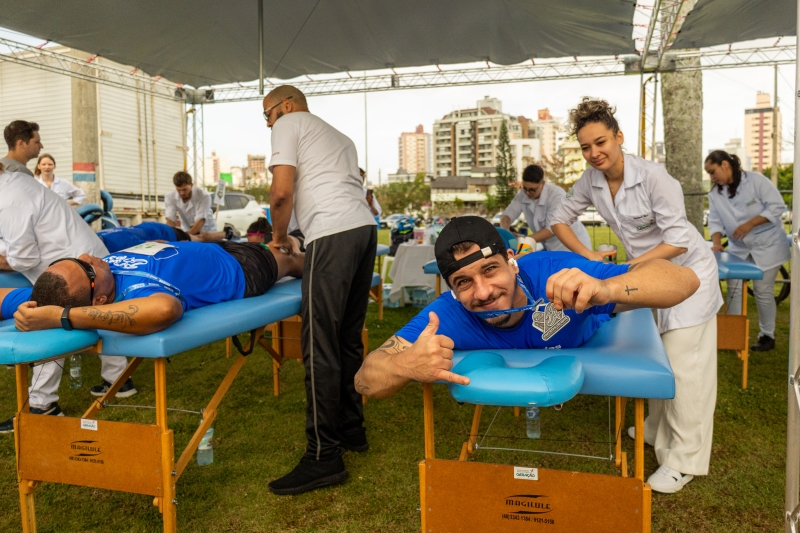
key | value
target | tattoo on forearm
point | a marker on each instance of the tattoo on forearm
(394, 345)
(630, 290)
(112, 317)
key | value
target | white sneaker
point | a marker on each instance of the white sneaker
(668, 481)
(632, 434)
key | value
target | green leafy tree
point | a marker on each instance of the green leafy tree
(506, 173)
(555, 170)
(785, 179)
(409, 197)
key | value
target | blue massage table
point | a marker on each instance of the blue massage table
(625, 358)
(13, 280)
(733, 330)
(43, 443)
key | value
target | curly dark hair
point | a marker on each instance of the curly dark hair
(717, 157)
(592, 110)
(52, 289)
(533, 174)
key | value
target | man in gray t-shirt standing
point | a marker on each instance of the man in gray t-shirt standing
(315, 173)
(23, 143)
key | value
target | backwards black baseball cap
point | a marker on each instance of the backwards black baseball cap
(468, 228)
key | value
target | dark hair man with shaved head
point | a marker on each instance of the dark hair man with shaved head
(315, 174)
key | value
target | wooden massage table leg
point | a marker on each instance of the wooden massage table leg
(744, 353)
(26, 486)
(101, 402)
(638, 470)
(621, 458)
(427, 407)
(468, 447)
(438, 285)
(167, 504)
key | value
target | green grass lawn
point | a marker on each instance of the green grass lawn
(259, 437)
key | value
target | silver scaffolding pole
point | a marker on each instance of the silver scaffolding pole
(793, 399)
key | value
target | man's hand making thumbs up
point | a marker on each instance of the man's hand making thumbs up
(397, 362)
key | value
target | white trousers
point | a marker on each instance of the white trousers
(765, 300)
(681, 429)
(46, 378)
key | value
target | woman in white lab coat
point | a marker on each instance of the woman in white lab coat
(747, 208)
(45, 174)
(644, 207)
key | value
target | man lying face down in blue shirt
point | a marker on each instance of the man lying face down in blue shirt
(544, 300)
(142, 294)
(117, 239)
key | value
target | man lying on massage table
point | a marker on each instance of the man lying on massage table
(117, 239)
(545, 300)
(142, 294)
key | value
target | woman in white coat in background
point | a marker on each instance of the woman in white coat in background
(747, 208)
(644, 207)
(45, 174)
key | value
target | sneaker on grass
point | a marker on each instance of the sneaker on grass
(667, 480)
(765, 344)
(52, 410)
(126, 391)
(310, 475)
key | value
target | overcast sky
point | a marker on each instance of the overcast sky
(238, 129)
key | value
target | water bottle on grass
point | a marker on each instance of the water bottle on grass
(532, 423)
(205, 451)
(75, 379)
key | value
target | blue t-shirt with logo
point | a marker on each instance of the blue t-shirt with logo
(203, 274)
(543, 327)
(117, 239)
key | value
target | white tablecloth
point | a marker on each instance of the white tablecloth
(406, 270)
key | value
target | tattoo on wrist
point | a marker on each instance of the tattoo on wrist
(629, 290)
(393, 346)
(112, 317)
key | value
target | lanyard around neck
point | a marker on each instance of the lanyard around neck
(159, 283)
(500, 312)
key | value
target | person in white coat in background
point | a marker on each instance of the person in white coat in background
(538, 200)
(644, 207)
(45, 174)
(747, 208)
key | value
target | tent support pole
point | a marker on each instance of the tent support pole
(261, 47)
(793, 396)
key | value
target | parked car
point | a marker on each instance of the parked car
(496, 218)
(239, 209)
(591, 217)
(389, 221)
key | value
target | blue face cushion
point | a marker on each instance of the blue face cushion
(553, 381)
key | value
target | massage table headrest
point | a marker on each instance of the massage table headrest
(554, 381)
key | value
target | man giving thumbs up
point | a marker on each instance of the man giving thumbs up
(546, 300)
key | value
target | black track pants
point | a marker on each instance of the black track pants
(336, 283)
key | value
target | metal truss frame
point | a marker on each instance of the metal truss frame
(70, 63)
(86, 67)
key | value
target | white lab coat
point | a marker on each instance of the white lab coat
(539, 214)
(647, 211)
(65, 190)
(755, 196)
(38, 227)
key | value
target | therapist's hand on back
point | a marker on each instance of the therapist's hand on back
(598, 256)
(284, 245)
(430, 358)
